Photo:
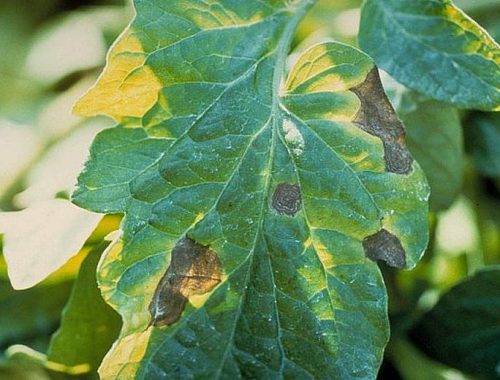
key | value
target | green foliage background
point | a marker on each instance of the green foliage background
(457, 149)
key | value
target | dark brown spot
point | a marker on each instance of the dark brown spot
(377, 117)
(287, 199)
(194, 269)
(386, 247)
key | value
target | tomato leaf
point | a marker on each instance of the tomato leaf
(254, 205)
(434, 48)
(483, 141)
(88, 327)
(32, 313)
(434, 136)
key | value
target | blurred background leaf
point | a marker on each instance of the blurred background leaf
(40, 239)
(463, 329)
(29, 315)
(434, 137)
(54, 51)
(89, 326)
(483, 142)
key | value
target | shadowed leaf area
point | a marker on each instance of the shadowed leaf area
(462, 330)
(434, 136)
(483, 140)
(248, 197)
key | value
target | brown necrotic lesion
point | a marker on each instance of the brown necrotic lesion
(386, 247)
(377, 117)
(287, 199)
(194, 270)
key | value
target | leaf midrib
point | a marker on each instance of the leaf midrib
(281, 52)
(279, 69)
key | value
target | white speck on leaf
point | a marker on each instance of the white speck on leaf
(293, 137)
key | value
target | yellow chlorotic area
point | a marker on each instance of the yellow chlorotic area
(127, 88)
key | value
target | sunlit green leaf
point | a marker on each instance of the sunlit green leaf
(462, 330)
(435, 48)
(263, 199)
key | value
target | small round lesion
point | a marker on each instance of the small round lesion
(287, 199)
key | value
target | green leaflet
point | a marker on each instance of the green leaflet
(291, 185)
(459, 64)
(462, 329)
(88, 327)
(483, 141)
(434, 136)
(31, 313)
